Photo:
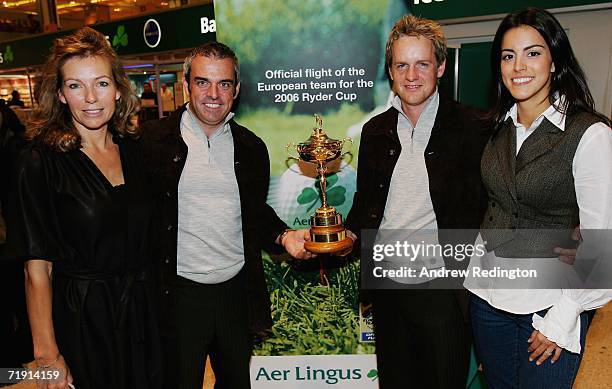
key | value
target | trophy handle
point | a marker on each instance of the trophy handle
(289, 155)
(349, 149)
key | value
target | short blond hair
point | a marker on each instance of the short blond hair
(411, 25)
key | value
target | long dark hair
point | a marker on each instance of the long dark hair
(52, 124)
(568, 80)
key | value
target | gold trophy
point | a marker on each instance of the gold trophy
(327, 233)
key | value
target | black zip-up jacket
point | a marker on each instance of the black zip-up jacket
(452, 159)
(166, 152)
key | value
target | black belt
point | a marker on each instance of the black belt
(78, 284)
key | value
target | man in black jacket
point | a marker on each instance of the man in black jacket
(15, 100)
(211, 177)
(419, 170)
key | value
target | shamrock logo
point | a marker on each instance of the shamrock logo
(8, 54)
(335, 196)
(121, 38)
(373, 374)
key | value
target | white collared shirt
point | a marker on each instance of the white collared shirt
(522, 133)
(592, 171)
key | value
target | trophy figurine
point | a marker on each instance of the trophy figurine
(327, 233)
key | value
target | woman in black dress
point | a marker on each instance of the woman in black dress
(80, 218)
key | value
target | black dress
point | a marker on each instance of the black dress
(64, 210)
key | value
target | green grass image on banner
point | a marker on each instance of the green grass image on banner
(310, 318)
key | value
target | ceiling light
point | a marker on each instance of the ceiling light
(69, 5)
(17, 3)
(13, 76)
(144, 65)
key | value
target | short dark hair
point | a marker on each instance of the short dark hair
(568, 80)
(216, 50)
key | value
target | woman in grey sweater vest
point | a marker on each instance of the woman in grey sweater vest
(546, 167)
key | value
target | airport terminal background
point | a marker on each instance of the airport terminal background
(28, 26)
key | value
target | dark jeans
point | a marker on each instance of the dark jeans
(422, 340)
(212, 319)
(501, 344)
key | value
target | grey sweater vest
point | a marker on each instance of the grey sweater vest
(532, 200)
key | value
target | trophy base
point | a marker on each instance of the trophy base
(328, 247)
(327, 233)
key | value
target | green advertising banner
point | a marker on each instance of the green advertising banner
(183, 28)
(453, 9)
(299, 58)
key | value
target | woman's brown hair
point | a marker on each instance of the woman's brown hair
(52, 122)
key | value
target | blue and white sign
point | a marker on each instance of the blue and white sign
(152, 33)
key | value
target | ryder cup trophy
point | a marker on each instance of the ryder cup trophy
(328, 235)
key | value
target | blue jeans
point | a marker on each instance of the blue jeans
(501, 344)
